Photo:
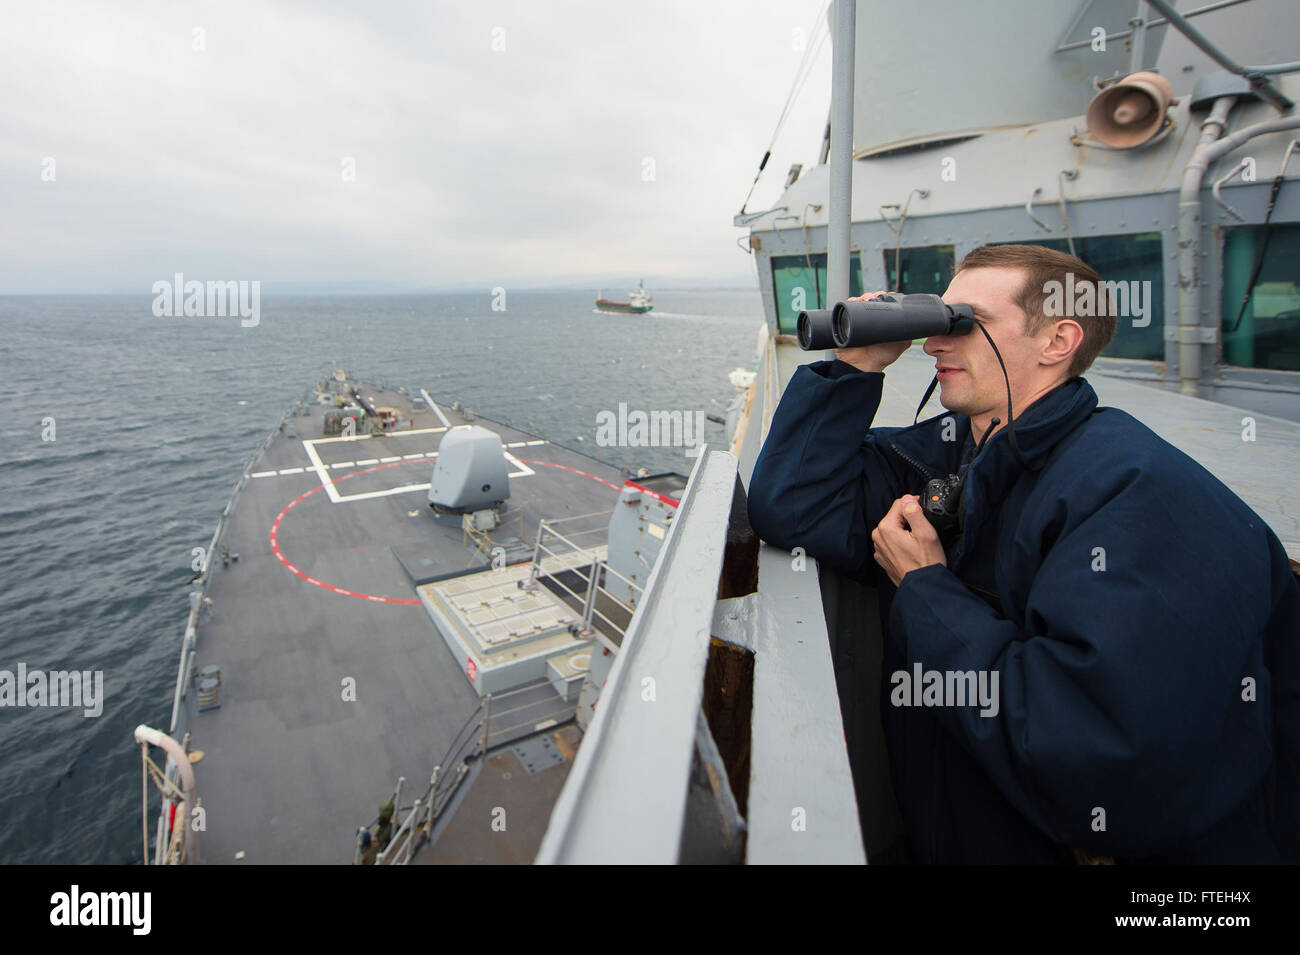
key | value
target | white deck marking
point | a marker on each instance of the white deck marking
(524, 470)
(330, 490)
(263, 474)
(322, 469)
(410, 431)
(291, 470)
(367, 495)
(521, 470)
(367, 437)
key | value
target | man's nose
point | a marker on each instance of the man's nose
(936, 345)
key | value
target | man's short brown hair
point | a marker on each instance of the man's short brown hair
(1042, 267)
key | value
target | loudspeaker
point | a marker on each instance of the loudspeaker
(1131, 111)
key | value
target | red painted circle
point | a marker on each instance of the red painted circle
(275, 528)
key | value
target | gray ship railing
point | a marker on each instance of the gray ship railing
(498, 720)
(719, 736)
(567, 556)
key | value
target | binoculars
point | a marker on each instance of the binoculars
(888, 318)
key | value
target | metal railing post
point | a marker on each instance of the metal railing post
(410, 832)
(433, 800)
(537, 549)
(589, 603)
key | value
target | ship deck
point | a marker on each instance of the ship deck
(506, 803)
(334, 680)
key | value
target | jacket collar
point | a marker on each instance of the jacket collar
(1039, 428)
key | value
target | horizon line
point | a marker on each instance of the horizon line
(290, 289)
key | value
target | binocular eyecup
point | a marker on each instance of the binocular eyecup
(887, 318)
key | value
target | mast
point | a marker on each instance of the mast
(841, 152)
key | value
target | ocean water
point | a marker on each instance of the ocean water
(152, 421)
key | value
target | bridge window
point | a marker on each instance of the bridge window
(1266, 333)
(799, 282)
(1135, 261)
(925, 268)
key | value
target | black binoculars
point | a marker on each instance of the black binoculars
(887, 318)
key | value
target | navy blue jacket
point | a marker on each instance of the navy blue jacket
(1125, 690)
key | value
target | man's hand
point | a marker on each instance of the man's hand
(872, 357)
(905, 540)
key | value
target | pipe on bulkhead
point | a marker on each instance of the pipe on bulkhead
(1189, 247)
(1210, 149)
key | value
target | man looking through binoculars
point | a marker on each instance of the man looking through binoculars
(1142, 621)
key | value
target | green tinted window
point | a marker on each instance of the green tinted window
(1135, 261)
(927, 269)
(1266, 334)
(799, 282)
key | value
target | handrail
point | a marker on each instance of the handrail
(1064, 47)
(614, 805)
(1255, 75)
(473, 740)
(577, 517)
(595, 588)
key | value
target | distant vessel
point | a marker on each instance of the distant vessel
(638, 301)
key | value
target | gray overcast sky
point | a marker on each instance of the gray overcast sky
(474, 167)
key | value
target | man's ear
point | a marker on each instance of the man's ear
(1061, 340)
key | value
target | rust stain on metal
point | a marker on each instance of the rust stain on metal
(567, 750)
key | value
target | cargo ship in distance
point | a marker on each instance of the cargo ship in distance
(639, 302)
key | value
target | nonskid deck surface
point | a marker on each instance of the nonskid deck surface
(334, 681)
(503, 814)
